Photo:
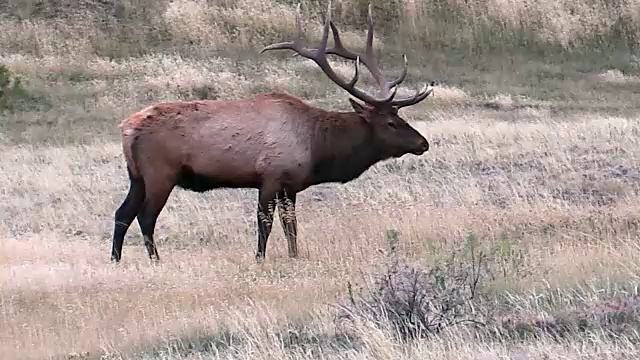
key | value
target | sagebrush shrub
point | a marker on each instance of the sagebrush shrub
(414, 301)
(11, 88)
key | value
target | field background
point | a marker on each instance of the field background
(535, 158)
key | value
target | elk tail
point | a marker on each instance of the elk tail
(130, 142)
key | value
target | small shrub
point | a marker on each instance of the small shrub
(205, 92)
(415, 302)
(199, 92)
(11, 89)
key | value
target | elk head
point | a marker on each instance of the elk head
(390, 131)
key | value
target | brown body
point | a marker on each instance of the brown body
(243, 143)
(276, 143)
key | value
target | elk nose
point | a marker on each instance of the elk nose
(423, 146)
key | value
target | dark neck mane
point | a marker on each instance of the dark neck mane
(344, 147)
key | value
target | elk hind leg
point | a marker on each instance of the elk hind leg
(125, 214)
(287, 214)
(157, 193)
(266, 208)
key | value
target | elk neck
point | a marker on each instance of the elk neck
(343, 148)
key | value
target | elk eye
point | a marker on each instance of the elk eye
(392, 124)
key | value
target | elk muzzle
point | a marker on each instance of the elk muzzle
(421, 147)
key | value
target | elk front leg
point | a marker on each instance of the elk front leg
(157, 193)
(266, 207)
(287, 214)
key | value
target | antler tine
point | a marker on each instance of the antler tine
(322, 49)
(296, 44)
(319, 56)
(403, 75)
(416, 98)
(338, 48)
(368, 58)
(373, 66)
(356, 74)
(377, 74)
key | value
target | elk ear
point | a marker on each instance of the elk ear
(361, 110)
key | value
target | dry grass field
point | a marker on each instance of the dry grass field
(534, 163)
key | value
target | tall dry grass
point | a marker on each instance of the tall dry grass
(128, 27)
(555, 199)
(487, 24)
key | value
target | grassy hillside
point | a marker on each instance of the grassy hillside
(521, 222)
(133, 26)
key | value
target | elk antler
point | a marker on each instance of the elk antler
(319, 56)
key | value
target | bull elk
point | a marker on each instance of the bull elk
(274, 142)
